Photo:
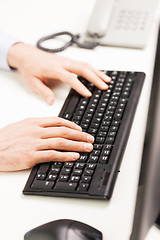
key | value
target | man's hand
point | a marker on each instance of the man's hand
(38, 68)
(31, 141)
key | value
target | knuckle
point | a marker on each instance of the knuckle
(40, 132)
(50, 156)
(65, 131)
(84, 68)
(73, 78)
(60, 142)
(58, 121)
(86, 65)
(39, 145)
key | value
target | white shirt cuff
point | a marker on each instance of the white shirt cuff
(5, 43)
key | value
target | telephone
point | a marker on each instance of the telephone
(124, 23)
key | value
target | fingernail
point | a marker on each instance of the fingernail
(78, 128)
(90, 138)
(75, 156)
(88, 146)
(87, 93)
(103, 85)
(107, 78)
(50, 99)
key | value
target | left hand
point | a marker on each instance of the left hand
(38, 67)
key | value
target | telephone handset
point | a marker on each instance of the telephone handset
(100, 18)
(124, 23)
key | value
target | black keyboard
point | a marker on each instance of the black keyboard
(108, 116)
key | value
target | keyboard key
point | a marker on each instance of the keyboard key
(93, 159)
(88, 172)
(85, 179)
(76, 117)
(92, 130)
(79, 165)
(95, 153)
(114, 128)
(104, 159)
(67, 116)
(66, 171)
(106, 152)
(100, 140)
(108, 147)
(110, 140)
(65, 186)
(102, 134)
(63, 178)
(83, 187)
(97, 146)
(44, 167)
(84, 125)
(83, 158)
(55, 170)
(91, 166)
(41, 176)
(112, 134)
(52, 177)
(57, 164)
(45, 185)
(117, 116)
(104, 128)
(77, 172)
(68, 164)
(74, 178)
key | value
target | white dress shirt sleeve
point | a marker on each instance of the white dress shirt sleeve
(5, 43)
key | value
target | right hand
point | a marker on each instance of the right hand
(35, 140)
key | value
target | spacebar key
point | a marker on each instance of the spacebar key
(65, 186)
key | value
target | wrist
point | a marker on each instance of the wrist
(14, 56)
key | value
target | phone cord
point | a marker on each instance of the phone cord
(74, 40)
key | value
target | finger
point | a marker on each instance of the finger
(90, 73)
(45, 92)
(73, 81)
(93, 78)
(101, 74)
(64, 144)
(52, 155)
(57, 122)
(67, 133)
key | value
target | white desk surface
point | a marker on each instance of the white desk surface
(28, 21)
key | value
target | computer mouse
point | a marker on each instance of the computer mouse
(64, 229)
